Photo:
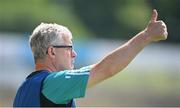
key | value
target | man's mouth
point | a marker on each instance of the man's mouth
(73, 62)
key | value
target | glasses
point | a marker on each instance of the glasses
(62, 46)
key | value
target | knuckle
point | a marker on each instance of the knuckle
(164, 27)
(160, 22)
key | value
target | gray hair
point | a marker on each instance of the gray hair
(45, 35)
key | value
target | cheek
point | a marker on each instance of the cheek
(61, 57)
(68, 54)
(64, 57)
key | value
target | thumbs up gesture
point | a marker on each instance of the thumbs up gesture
(156, 29)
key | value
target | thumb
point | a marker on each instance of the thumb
(154, 16)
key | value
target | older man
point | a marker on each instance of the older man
(56, 83)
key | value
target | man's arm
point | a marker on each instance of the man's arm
(118, 59)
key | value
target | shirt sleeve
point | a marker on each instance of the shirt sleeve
(61, 87)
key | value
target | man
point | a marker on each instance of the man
(55, 83)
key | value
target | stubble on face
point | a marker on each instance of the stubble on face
(67, 61)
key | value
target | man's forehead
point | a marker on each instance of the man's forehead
(67, 39)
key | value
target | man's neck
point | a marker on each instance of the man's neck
(39, 65)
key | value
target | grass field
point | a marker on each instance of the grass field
(152, 79)
(132, 88)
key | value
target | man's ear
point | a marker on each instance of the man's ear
(51, 51)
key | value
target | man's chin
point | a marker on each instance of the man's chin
(72, 66)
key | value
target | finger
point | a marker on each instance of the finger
(160, 22)
(154, 16)
(165, 35)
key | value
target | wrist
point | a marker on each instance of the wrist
(146, 36)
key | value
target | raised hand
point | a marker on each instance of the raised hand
(156, 29)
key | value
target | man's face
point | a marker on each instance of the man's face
(64, 58)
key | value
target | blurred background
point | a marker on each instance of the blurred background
(98, 26)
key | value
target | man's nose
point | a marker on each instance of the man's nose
(74, 54)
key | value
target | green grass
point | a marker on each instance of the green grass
(156, 81)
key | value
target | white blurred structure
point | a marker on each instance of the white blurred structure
(16, 60)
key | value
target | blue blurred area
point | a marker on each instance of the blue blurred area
(152, 78)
